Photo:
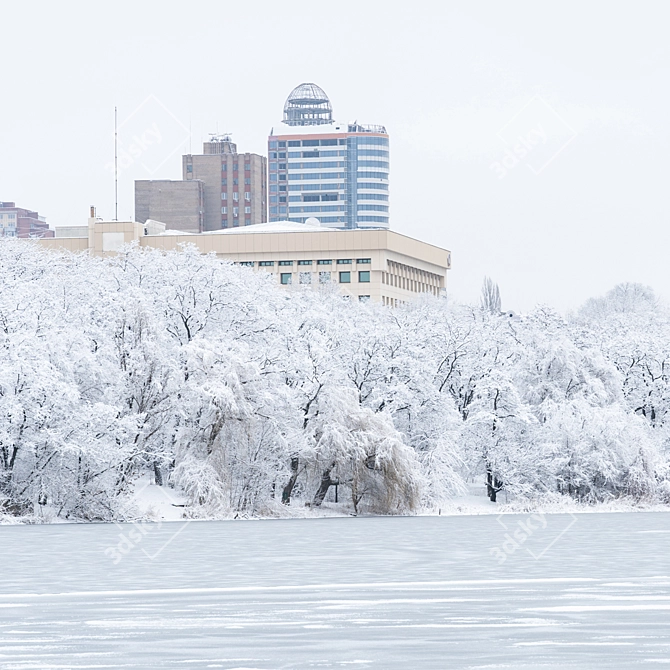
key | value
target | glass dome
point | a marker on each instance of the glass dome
(307, 105)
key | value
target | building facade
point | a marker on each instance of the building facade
(318, 168)
(378, 265)
(180, 205)
(235, 185)
(18, 222)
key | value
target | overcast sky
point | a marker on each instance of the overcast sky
(532, 142)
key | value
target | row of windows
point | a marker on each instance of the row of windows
(321, 187)
(373, 208)
(315, 154)
(236, 210)
(321, 261)
(381, 141)
(373, 219)
(224, 167)
(316, 166)
(324, 277)
(247, 181)
(372, 175)
(382, 153)
(374, 164)
(373, 185)
(325, 197)
(359, 140)
(236, 196)
(372, 196)
(318, 175)
(324, 208)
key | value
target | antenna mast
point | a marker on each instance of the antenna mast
(116, 168)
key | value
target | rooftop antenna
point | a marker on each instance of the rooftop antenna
(116, 167)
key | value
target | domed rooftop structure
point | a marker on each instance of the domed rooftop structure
(307, 105)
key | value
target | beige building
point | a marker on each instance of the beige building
(379, 265)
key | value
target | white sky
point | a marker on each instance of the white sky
(448, 80)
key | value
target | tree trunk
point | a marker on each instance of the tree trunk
(158, 475)
(326, 483)
(493, 485)
(288, 489)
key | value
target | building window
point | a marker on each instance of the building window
(224, 182)
(324, 277)
(266, 264)
(247, 222)
(224, 210)
(273, 199)
(363, 260)
(282, 145)
(273, 145)
(247, 195)
(236, 196)
(305, 277)
(247, 264)
(304, 262)
(247, 166)
(345, 277)
(236, 211)
(235, 166)
(247, 210)
(282, 210)
(364, 276)
(286, 277)
(273, 210)
(273, 188)
(236, 182)
(344, 261)
(324, 262)
(363, 298)
(286, 263)
(293, 143)
(247, 181)
(189, 168)
(224, 196)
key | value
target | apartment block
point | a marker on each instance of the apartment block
(19, 222)
(235, 185)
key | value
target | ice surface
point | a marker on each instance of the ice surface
(423, 592)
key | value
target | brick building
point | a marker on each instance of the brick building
(18, 222)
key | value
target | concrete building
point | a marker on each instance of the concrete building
(378, 265)
(337, 172)
(18, 222)
(180, 205)
(235, 185)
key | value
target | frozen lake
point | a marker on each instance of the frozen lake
(591, 591)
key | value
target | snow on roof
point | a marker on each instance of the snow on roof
(174, 232)
(271, 227)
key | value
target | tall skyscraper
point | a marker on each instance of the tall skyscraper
(235, 185)
(335, 172)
